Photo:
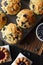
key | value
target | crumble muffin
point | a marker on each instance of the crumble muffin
(36, 6)
(11, 7)
(11, 33)
(25, 18)
(3, 19)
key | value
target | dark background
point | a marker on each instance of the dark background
(36, 59)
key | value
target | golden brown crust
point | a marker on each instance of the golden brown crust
(25, 18)
(6, 52)
(14, 34)
(22, 61)
(17, 1)
(3, 19)
(36, 6)
(12, 7)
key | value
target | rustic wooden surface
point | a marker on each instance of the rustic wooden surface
(32, 44)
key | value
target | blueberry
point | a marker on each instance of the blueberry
(40, 31)
(25, 15)
(13, 38)
(33, 6)
(4, 28)
(11, 34)
(4, 18)
(18, 4)
(18, 28)
(23, 23)
(16, 37)
(5, 3)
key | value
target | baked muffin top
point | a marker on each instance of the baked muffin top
(36, 6)
(11, 33)
(3, 19)
(25, 18)
(11, 6)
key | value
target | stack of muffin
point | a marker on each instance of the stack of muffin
(12, 33)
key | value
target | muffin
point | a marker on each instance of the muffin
(36, 6)
(4, 55)
(22, 61)
(17, 1)
(11, 33)
(11, 6)
(25, 18)
(3, 19)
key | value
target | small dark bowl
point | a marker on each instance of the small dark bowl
(39, 32)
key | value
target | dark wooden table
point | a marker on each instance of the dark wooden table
(31, 47)
(31, 43)
(34, 47)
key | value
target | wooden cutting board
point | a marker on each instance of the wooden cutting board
(32, 44)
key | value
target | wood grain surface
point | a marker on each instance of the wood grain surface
(31, 43)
